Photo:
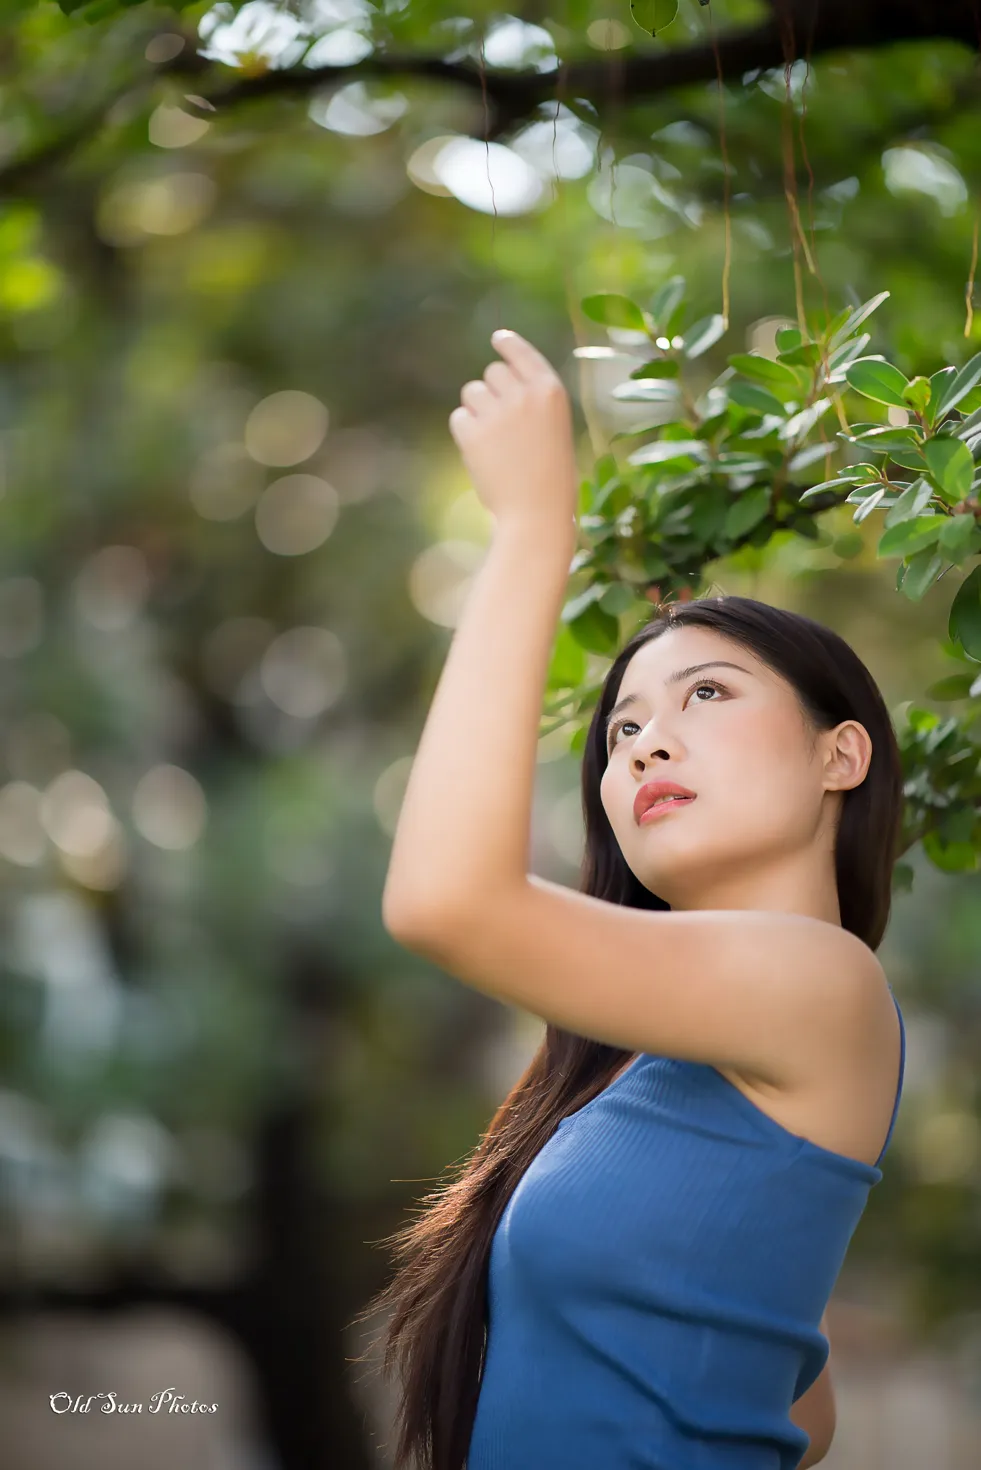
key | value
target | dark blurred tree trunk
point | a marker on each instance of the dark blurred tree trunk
(294, 1310)
(288, 1314)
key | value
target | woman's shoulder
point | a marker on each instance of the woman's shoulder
(844, 1097)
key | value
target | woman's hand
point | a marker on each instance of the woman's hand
(514, 431)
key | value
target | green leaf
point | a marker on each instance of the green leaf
(902, 878)
(910, 459)
(959, 386)
(837, 322)
(703, 335)
(950, 857)
(781, 380)
(617, 598)
(922, 720)
(808, 354)
(92, 11)
(606, 468)
(827, 485)
(809, 455)
(878, 380)
(567, 667)
(788, 338)
(747, 511)
(882, 440)
(855, 319)
(645, 390)
(868, 505)
(971, 402)
(802, 423)
(917, 394)
(653, 15)
(751, 395)
(660, 367)
(711, 426)
(958, 822)
(964, 626)
(742, 464)
(614, 311)
(654, 564)
(862, 493)
(597, 529)
(938, 383)
(922, 571)
(838, 361)
(910, 536)
(666, 300)
(958, 534)
(666, 451)
(578, 604)
(951, 465)
(596, 631)
(911, 503)
(954, 686)
(864, 490)
(598, 495)
(967, 428)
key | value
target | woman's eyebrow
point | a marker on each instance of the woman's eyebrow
(675, 678)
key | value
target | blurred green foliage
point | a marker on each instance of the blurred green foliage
(248, 254)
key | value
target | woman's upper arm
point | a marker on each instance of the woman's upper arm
(759, 991)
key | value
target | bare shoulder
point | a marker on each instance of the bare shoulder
(771, 994)
(843, 980)
(841, 1096)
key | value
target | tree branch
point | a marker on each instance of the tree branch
(798, 29)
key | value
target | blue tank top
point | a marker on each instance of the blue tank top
(657, 1279)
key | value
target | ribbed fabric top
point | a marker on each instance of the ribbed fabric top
(657, 1280)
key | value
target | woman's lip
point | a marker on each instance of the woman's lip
(660, 807)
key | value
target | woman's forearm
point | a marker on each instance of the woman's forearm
(465, 822)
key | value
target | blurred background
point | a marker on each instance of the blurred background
(237, 537)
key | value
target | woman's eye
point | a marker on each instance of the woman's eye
(695, 689)
(622, 726)
(715, 688)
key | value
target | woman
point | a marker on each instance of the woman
(632, 1268)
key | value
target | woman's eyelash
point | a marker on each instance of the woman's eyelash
(625, 719)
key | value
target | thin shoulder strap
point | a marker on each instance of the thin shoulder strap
(899, 1084)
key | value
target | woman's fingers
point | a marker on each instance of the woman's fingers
(523, 365)
(501, 379)
(498, 384)
(526, 360)
(475, 394)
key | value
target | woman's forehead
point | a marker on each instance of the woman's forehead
(664, 655)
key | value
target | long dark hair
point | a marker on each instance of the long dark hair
(436, 1302)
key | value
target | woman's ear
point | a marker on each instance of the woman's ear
(848, 753)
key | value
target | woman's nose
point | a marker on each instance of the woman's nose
(642, 762)
(653, 744)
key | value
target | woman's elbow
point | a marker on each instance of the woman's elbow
(816, 1413)
(821, 1435)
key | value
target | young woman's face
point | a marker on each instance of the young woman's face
(766, 792)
